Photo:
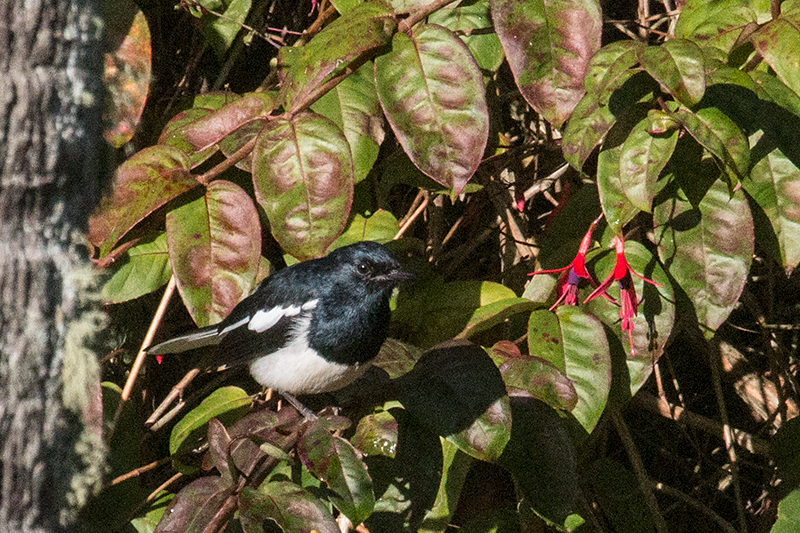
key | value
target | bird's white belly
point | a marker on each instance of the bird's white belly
(298, 369)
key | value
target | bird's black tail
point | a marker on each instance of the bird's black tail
(207, 336)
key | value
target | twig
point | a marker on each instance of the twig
(645, 483)
(418, 199)
(139, 471)
(219, 168)
(411, 219)
(176, 391)
(727, 436)
(679, 414)
(137, 364)
(416, 16)
(153, 494)
(688, 500)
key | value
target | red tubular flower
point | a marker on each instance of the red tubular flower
(629, 304)
(570, 279)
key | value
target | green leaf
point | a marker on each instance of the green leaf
(576, 344)
(533, 377)
(777, 42)
(196, 505)
(433, 312)
(142, 184)
(303, 177)
(213, 127)
(473, 21)
(610, 67)
(174, 134)
(222, 400)
(367, 26)
(597, 112)
(381, 226)
(220, 27)
(353, 106)
(397, 358)
(678, 67)
(214, 249)
(788, 514)
(148, 521)
(334, 461)
(548, 44)
(143, 269)
(719, 23)
(541, 457)
(720, 136)
(617, 208)
(438, 113)
(774, 185)
(288, 505)
(653, 324)
(707, 250)
(456, 391)
(495, 313)
(642, 157)
(376, 434)
(456, 465)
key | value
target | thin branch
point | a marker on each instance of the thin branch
(645, 483)
(137, 364)
(727, 436)
(411, 219)
(240, 154)
(679, 414)
(141, 470)
(420, 14)
(176, 392)
(688, 500)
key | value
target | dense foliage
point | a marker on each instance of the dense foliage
(636, 165)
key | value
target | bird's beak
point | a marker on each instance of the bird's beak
(396, 276)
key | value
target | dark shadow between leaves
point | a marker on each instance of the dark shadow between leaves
(451, 386)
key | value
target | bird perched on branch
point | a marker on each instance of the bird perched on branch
(312, 327)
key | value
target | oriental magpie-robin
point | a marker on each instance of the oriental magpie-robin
(312, 327)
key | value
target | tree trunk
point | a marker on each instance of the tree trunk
(51, 453)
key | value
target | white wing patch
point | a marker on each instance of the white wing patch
(266, 318)
(263, 320)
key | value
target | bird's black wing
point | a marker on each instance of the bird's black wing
(267, 320)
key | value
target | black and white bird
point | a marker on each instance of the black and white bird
(309, 328)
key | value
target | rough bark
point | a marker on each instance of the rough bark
(50, 444)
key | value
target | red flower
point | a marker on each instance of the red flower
(569, 281)
(629, 305)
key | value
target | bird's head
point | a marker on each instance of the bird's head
(371, 264)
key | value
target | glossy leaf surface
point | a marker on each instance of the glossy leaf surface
(196, 505)
(143, 269)
(576, 344)
(288, 505)
(368, 25)
(774, 185)
(432, 93)
(142, 184)
(353, 106)
(334, 460)
(214, 249)
(303, 177)
(707, 249)
(548, 44)
(678, 67)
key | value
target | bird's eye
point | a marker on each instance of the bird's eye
(363, 268)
